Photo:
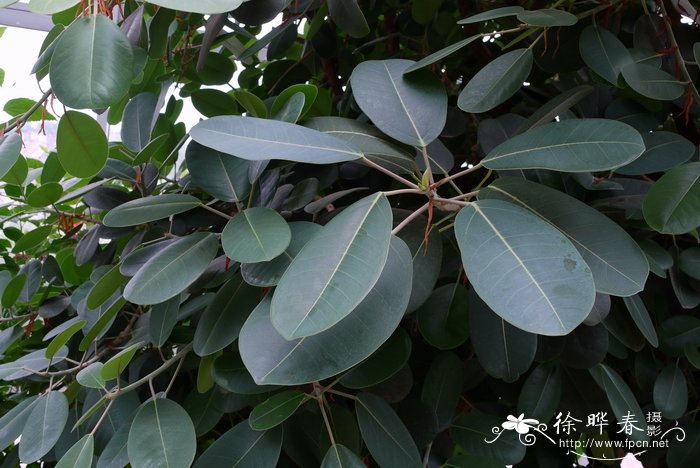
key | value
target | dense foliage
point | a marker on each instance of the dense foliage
(405, 224)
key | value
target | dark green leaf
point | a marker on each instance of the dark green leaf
(443, 319)
(491, 14)
(604, 53)
(585, 145)
(13, 421)
(139, 117)
(147, 209)
(163, 320)
(496, 82)
(220, 175)
(641, 318)
(348, 16)
(384, 434)
(537, 266)
(412, 109)
(547, 17)
(81, 144)
(243, 447)
(105, 287)
(80, 454)
(255, 235)
(275, 410)
(651, 82)
(10, 147)
(44, 426)
(621, 398)
(339, 456)
(664, 150)
(442, 53)
(92, 65)
(672, 206)
(334, 271)
(473, 429)
(671, 392)
(162, 434)
(443, 386)
(63, 338)
(390, 358)
(541, 392)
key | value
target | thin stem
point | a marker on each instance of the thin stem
(426, 457)
(468, 170)
(677, 52)
(166, 365)
(451, 201)
(397, 177)
(321, 404)
(403, 191)
(172, 379)
(342, 394)
(410, 218)
(215, 211)
(24, 117)
(465, 196)
(102, 418)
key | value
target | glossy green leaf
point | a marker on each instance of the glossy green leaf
(556, 106)
(105, 287)
(441, 54)
(348, 16)
(275, 410)
(147, 209)
(621, 398)
(651, 82)
(689, 262)
(201, 6)
(101, 324)
(541, 392)
(45, 195)
(671, 392)
(577, 145)
(32, 238)
(603, 52)
(641, 318)
(412, 109)
(309, 91)
(256, 235)
(385, 435)
(49, 7)
(443, 319)
(265, 274)
(491, 14)
(339, 456)
(62, 338)
(547, 18)
(472, 429)
(13, 421)
(119, 362)
(80, 454)
(162, 434)
(334, 271)
(271, 359)
(223, 318)
(664, 151)
(443, 386)
(92, 65)
(163, 320)
(139, 117)
(13, 290)
(10, 147)
(672, 206)
(17, 175)
(172, 270)
(368, 140)
(617, 264)
(44, 426)
(389, 359)
(496, 82)
(81, 144)
(243, 447)
(535, 264)
(505, 352)
(91, 376)
(259, 139)
(220, 175)
(253, 105)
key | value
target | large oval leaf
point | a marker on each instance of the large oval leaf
(92, 65)
(339, 456)
(220, 175)
(81, 145)
(617, 263)
(496, 82)
(577, 145)
(80, 454)
(671, 392)
(243, 447)
(412, 109)
(672, 206)
(256, 235)
(664, 150)
(275, 410)
(505, 352)
(348, 16)
(603, 52)
(49, 7)
(541, 392)
(385, 435)
(139, 117)
(442, 319)
(43, 427)
(224, 316)
(10, 148)
(271, 359)
(651, 82)
(523, 268)
(147, 209)
(259, 139)
(621, 398)
(200, 6)
(12, 422)
(163, 320)
(162, 434)
(172, 269)
(335, 270)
